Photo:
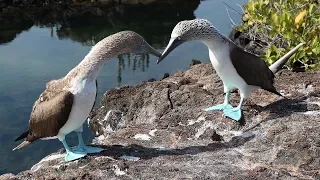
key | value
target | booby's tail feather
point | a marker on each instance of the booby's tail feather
(275, 67)
(22, 136)
(274, 91)
(23, 144)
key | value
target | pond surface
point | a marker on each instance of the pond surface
(49, 51)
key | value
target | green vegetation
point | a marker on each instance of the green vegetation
(283, 24)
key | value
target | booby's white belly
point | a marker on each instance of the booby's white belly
(84, 97)
(221, 62)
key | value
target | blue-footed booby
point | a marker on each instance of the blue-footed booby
(66, 103)
(236, 67)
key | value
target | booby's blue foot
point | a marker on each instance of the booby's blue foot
(74, 155)
(234, 113)
(71, 155)
(88, 149)
(219, 107)
(223, 106)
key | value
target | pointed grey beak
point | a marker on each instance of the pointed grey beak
(173, 43)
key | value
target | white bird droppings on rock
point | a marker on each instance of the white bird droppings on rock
(312, 113)
(44, 162)
(81, 167)
(192, 122)
(144, 137)
(203, 128)
(151, 133)
(106, 116)
(235, 133)
(117, 171)
(108, 129)
(129, 158)
(100, 138)
(88, 121)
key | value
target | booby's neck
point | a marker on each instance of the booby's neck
(219, 47)
(90, 66)
(215, 40)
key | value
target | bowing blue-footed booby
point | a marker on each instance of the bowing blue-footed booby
(236, 67)
(66, 103)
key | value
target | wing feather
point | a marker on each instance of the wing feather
(50, 114)
(252, 69)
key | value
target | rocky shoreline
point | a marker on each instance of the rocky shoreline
(158, 130)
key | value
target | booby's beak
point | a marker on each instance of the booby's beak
(173, 43)
(151, 50)
(145, 48)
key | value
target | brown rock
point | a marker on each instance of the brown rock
(161, 129)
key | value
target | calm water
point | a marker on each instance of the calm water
(41, 53)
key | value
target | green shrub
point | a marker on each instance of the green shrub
(283, 24)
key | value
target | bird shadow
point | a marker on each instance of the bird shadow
(116, 151)
(286, 107)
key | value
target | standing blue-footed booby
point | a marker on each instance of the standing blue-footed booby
(66, 103)
(236, 67)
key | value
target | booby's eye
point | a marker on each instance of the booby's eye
(179, 38)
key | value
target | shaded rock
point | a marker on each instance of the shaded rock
(194, 62)
(166, 75)
(151, 80)
(160, 131)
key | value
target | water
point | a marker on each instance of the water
(49, 50)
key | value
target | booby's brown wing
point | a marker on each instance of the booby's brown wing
(50, 113)
(252, 69)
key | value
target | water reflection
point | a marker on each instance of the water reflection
(153, 22)
(134, 61)
(149, 21)
(10, 32)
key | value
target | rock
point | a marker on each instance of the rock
(151, 80)
(166, 75)
(158, 130)
(7, 176)
(194, 62)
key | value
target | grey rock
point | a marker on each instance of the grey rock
(163, 131)
(7, 176)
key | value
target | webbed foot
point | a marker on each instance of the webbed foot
(70, 156)
(234, 113)
(88, 149)
(219, 107)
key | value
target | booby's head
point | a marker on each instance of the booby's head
(190, 30)
(137, 44)
(125, 42)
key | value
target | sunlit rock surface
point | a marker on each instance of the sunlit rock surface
(158, 130)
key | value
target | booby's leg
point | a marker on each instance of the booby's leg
(223, 106)
(71, 155)
(82, 147)
(234, 113)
